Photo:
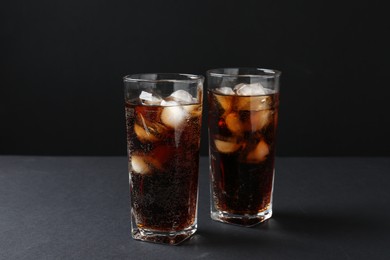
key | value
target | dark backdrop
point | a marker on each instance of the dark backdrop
(62, 64)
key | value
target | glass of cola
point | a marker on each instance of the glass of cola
(242, 121)
(163, 120)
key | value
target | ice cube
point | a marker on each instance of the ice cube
(139, 165)
(256, 120)
(225, 91)
(144, 134)
(226, 102)
(146, 163)
(252, 89)
(269, 91)
(193, 110)
(173, 115)
(228, 146)
(234, 123)
(260, 119)
(182, 97)
(253, 103)
(259, 153)
(150, 98)
(169, 103)
(147, 130)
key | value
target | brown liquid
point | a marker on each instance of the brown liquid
(164, 190)
(242, 146)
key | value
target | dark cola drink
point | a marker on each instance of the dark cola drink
(163, 142)
(242, 132)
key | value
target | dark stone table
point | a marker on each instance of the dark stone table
(77, 208)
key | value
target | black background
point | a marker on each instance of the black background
(62, 64)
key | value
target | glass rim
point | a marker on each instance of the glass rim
(191, 78)
(220, 72)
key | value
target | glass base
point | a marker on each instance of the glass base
(171, 238)
(241, 220)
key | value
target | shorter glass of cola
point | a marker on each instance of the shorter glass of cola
(242, 121)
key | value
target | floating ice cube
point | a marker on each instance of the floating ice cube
(253, 103)
(139, 165)
(261, 119)
(148, 130)
(193, 110)
(269, 91)
(182, 97)
(234, 123)
(173, 115)
(225, 91)
(150, 98)
(256, 120)
(169, 103)
(252, 89)
(258, 154)
(228, 146)
(226, 102)
(144, 134)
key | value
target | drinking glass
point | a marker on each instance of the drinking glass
(163, 119)
(242, 121)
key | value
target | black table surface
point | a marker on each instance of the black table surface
(78, 208)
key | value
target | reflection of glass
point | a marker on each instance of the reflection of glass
(243, 112)
(163, 118)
